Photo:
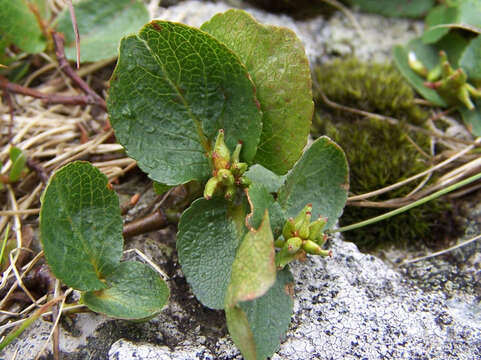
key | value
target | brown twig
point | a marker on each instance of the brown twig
(47, 98)
(58, 40)
(36, 167)
(75, 30)
(155, 221)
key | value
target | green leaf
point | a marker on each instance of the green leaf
(277, 63)
(472, 118)
(257, 326)
(259, 174)
(400, 55)
(469, 13)
(135, 291)
(173, 89)
(470, 60)
(208, 237)
(395, 8)
(454, 44)
(261, 200)
(101, 25)
(81, 226)
(254, 269)
(18, 159)
(466, 14)
(160, 188)
(319, 177)
(438, 15)
(19, 25)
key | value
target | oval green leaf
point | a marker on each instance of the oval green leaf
(173, 88)
(18, 159)
(279, 67)
(259, 174)
(395, 8)
(471, 59)
(439, 15)
(208, 237)
(257, 326)
(472, 118)
(400, 56)
(254, 268)
(135, 291)
(261, 200)
(101, 25)
(18, 25)
(319, 177)
(81, 226)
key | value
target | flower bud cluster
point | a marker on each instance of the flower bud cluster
(300, 236)
(451, 84)
(228, 171)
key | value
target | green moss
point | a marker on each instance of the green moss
(377, 88)
(379, 153)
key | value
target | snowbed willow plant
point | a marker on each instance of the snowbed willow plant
(228, 105)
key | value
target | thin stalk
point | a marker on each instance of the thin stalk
(409, 206)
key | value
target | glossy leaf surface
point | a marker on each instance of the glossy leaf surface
(208, 237)
(259, 174)
(470, 60)
(81, 226)
(173, 89)
(254, 269)
(135, 291)
(319, 177)
(101, 25)
(257, 326)
(19, 26)
(277, 63)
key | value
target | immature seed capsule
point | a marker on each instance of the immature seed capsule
(230, 192)
(303, 230)
(300, 217)
(210, 187)
(244, 181)
(293, 245)
(316, 227)
(236, 153)
(239, 168)
(225, 176)
(311, 247)
(416, 65)
(288, 229)
(221, 153)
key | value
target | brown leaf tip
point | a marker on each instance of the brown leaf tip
(156, 26)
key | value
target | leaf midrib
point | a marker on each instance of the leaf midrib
(198, 125)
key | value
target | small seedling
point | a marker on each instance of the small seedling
(218, 108)
(17, 168)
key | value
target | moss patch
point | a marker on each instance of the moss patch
(379, 153)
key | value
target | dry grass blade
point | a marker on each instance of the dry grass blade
(441, 252)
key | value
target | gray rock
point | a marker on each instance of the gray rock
(353, 306)
(322, 39)
(346, 307)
